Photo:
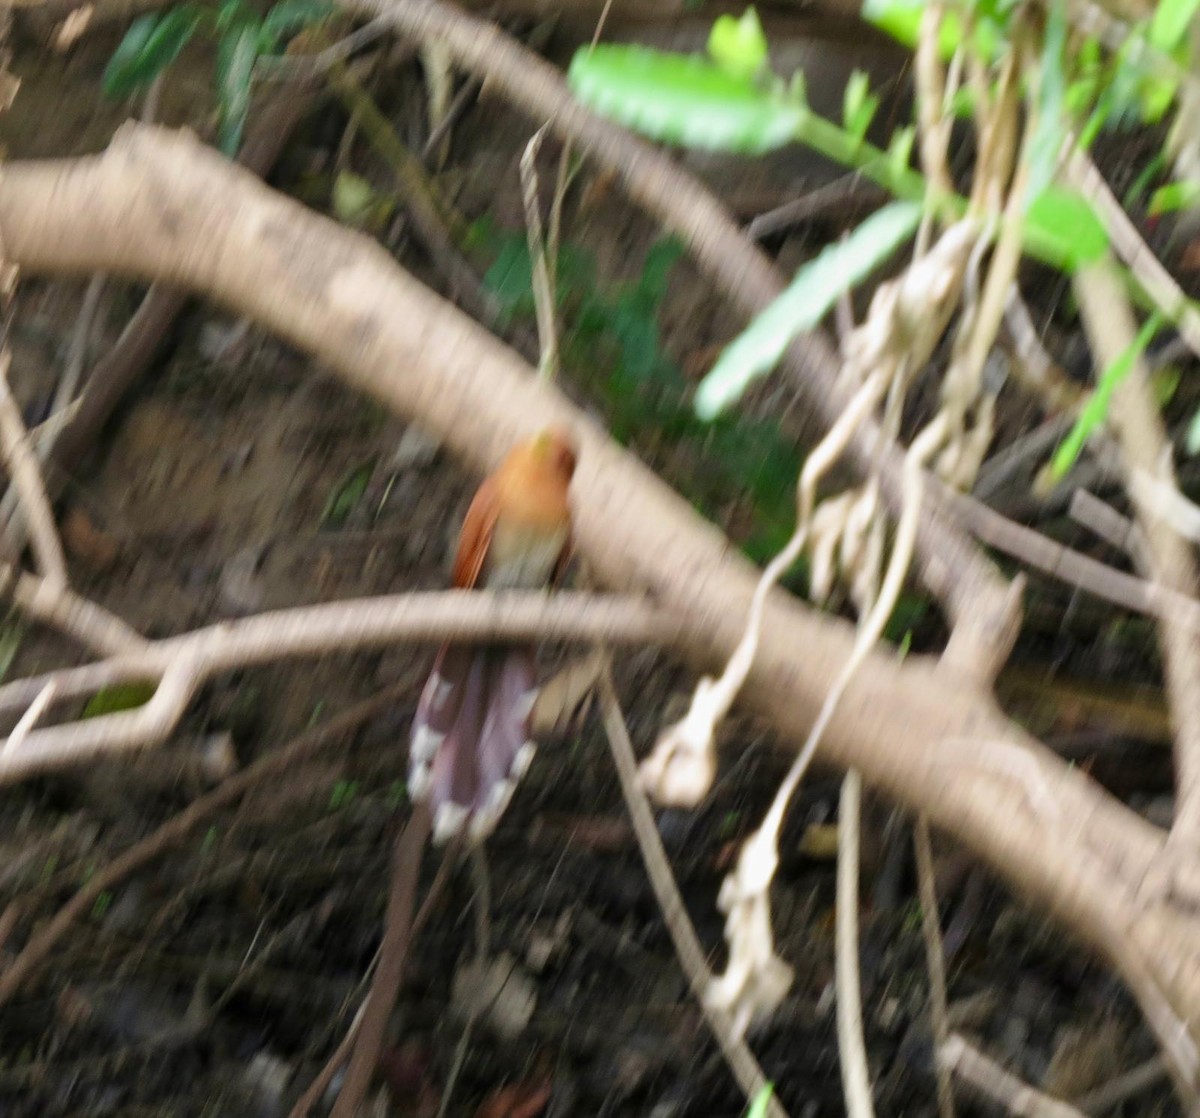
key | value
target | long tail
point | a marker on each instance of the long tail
(470, 738)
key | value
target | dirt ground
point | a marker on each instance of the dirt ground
(217, 979)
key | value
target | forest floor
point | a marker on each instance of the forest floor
(218, 978)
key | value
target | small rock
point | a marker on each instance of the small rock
(543, 945)
(496, 992)
(416, 450)
(266, 1077)
(242, 589)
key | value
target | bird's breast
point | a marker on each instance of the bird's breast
(521, 556)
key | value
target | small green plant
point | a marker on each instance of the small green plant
(153, 42)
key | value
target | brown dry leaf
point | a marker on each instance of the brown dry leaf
(1189, 258)
(87, 542)
(518, 1100)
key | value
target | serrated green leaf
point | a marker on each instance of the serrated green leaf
(1062, 226)
(150, 45)
(815, 288)
(683, 99)
(1095, 411)
(738, 46)
(236, 54)
(119, 697)
(1170, 22)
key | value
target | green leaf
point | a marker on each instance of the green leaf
(289, 16)
(1061, 225)
(902, 20)
(1192, 442)
(1170, 22)
(1174, 196)
(1050, 129)
(814, 290)
(683, 99)
(117, 698)
(236, 54)
(233, 13)
(738, 46)
(150, 45)
(760, 1102)
(858, 104)
(1095, 411)
(900, 149)
(343, 500)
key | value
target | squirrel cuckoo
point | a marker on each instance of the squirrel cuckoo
(470, 739)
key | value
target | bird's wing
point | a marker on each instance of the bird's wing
(476, 536)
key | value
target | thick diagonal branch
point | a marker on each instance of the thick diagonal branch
(951, 565)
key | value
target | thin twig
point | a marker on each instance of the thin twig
(1124, 1086)
(850, 191)
(1073, 567)
(406, 867)
(27, 480)
(181, 664)
(320, 1084)
(988, 1077)
(61, 608)
(935, 960)
(481, 905)
(1088, 511)
(1146, 449)
(1157, 282)
(543, 292)
(683, 935)
(852, 1052)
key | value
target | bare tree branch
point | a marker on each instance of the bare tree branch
(26, 476)
(1138, 426)
(987, 1076)
(182, 664)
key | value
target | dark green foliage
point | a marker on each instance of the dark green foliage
(150, 45)
(153, 42)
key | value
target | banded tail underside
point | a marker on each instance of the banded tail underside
(470, 742)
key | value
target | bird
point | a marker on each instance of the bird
(470, 742)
